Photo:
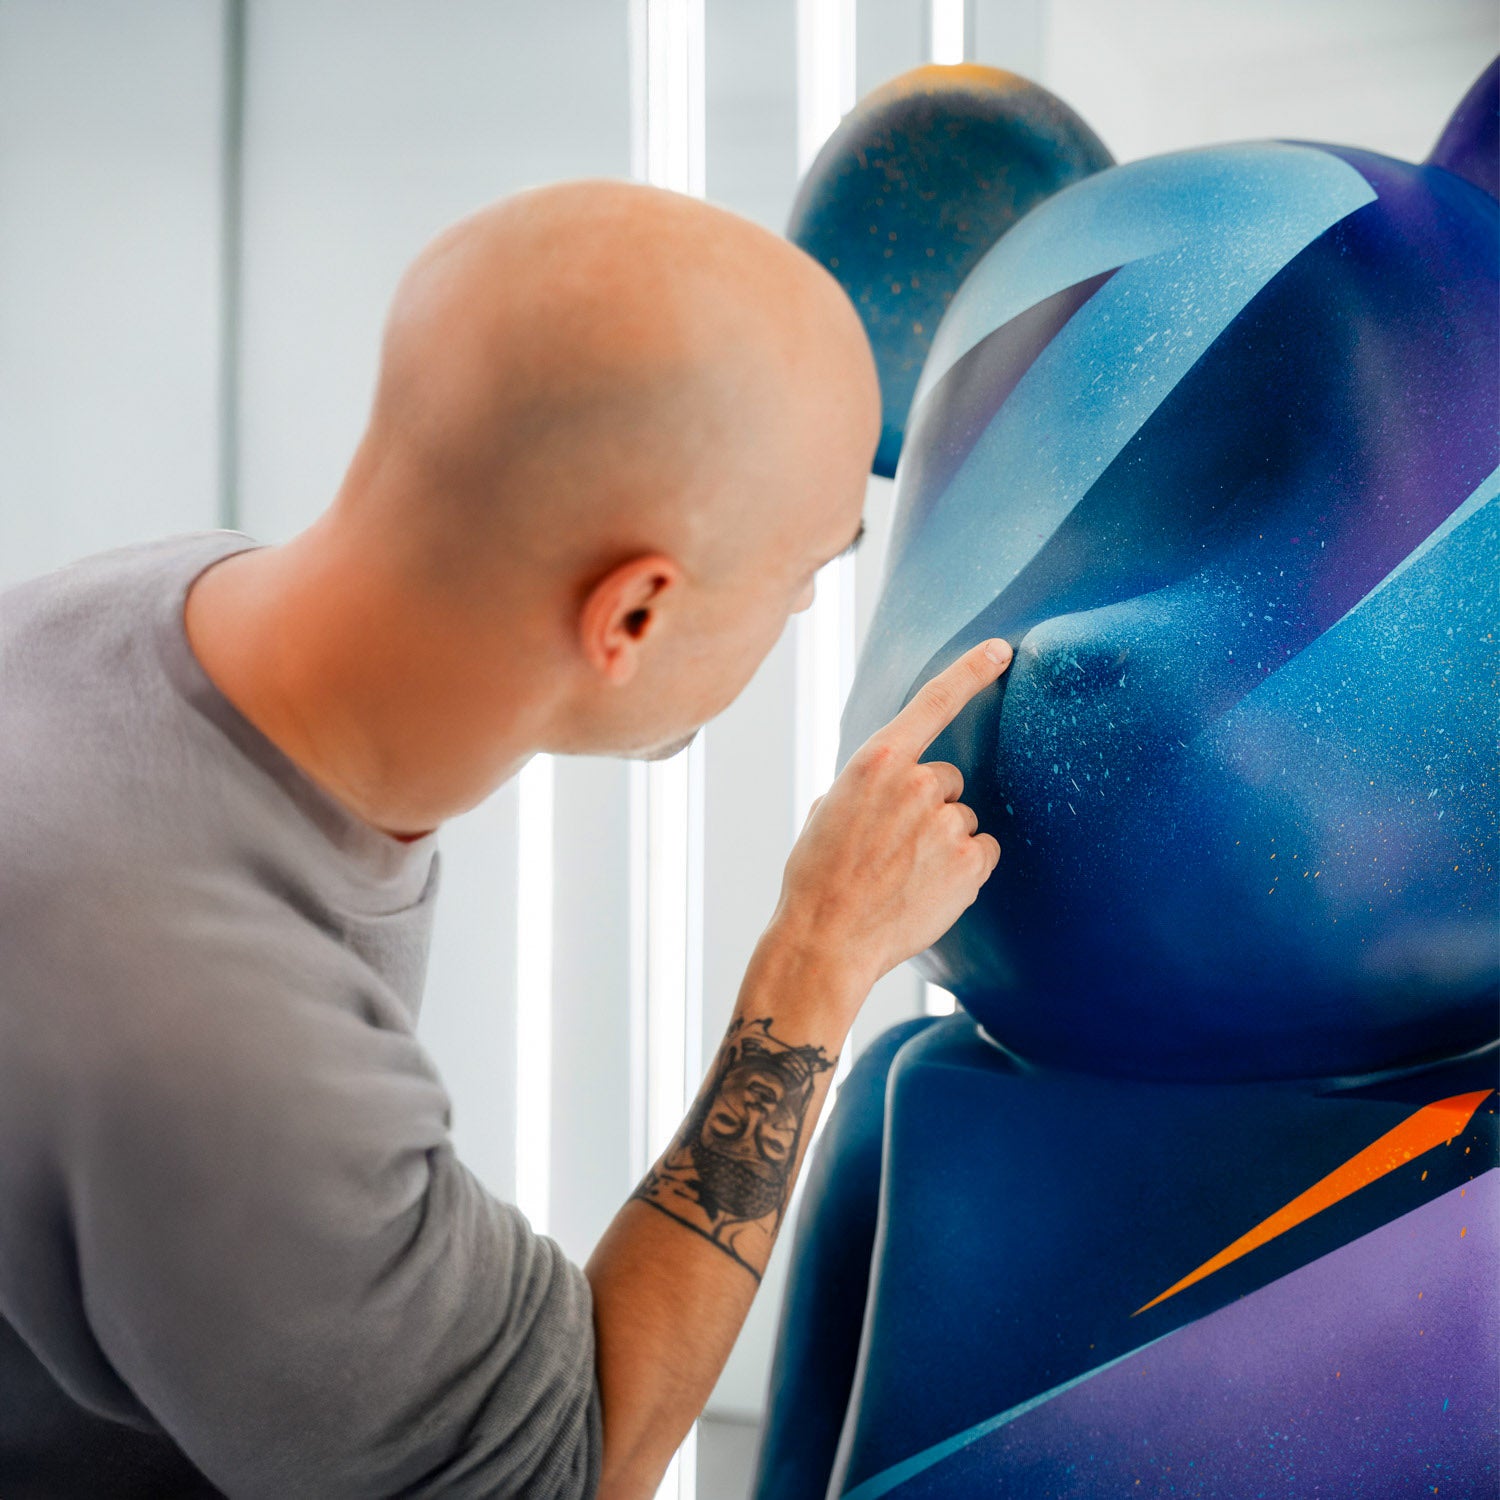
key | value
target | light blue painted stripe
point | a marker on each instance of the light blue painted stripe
(1488, 490)
(1061, 246)
(1211, 229)
(1289, 676)
(888, 1479)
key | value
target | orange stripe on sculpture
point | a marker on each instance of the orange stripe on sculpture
(1432, 1125)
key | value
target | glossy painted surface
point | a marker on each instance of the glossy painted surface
(1018, 1317)
(919, 180)
(1213, 440)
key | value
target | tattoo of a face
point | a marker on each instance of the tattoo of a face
(728, 1172)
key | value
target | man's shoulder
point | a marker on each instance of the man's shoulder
(82, 597)
(116, 566)
(181, 1007)
(94, 632)
(92, 734)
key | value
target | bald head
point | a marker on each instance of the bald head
(597, 368)
(616, 433)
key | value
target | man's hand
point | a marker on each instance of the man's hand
(890, 858)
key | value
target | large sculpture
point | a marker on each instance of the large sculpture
(1194, 1196)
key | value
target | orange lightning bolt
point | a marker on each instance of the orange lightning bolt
(1432, 1125)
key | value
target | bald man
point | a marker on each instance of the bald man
(615, 435)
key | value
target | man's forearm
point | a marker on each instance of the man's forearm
(888, 858)
(676, 1271)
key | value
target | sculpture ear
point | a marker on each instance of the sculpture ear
(919, 180)
(1470, 143)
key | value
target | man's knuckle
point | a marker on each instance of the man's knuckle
(916, 790)
(942, 699)
(948, 776)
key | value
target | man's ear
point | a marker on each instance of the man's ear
(621, 613)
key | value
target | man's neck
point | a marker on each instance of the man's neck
(407, 711)
(240, 648)
(285, 647)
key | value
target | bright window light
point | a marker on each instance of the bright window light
(947, 22)
(825, 72)
(667, 68)
(667, 824)
(936, 1001)
(534, 936)
(825, 631)
(825, 667)
(666, 815)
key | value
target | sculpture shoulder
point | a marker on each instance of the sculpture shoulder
(1078, 1223)
(1128, 1208)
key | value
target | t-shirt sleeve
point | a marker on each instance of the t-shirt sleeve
(282, 1257)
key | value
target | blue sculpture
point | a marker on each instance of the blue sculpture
(1195, 1195)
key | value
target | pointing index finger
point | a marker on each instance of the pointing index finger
(939, 701)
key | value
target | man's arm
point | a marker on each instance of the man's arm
(888, 860)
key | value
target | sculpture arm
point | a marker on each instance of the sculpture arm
(822, 1316)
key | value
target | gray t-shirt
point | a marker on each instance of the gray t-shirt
(237, 1252)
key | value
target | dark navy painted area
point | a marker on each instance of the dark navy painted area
(919, 180)
(1213, 440)
(1470, 142)
(1027, 1213)
(1322, 1408)
(825, 1301)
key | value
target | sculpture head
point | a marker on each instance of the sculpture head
(1212, 440)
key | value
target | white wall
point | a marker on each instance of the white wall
(109, 275)
(1161, 75)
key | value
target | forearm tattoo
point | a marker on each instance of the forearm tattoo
(728, 1172)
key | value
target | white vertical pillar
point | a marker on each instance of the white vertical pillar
(825, 72)
(667, 65)
(936, 1001)
(534, 939)
(825, 631)
(667, 837)
(950, 26)
(667, 76)
(949, 31)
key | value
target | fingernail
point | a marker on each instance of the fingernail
(997, 651)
